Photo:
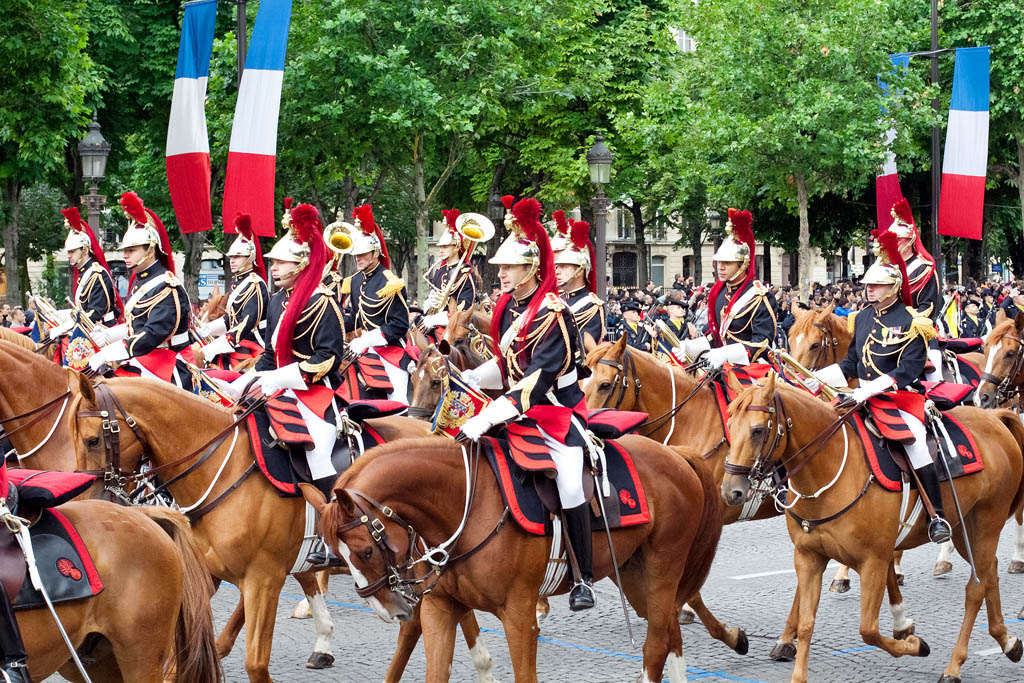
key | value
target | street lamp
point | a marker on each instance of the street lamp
(93, 151)
(599, 159)
(715, 219)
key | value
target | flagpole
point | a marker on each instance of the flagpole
(936, 151)
(240, 35)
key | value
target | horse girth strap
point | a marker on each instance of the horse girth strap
(809, 525)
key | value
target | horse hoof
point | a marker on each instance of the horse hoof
(686, 616)
(320, 660)
(1016, 567)
(942, 568)
(783, 652)
(904, 634)
(840, 586)
(742, 644)
(922, 648)
(1016, 651)
(946, 678)
(899, 579)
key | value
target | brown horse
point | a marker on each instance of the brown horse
(252, 536)
(850, 520)
(819, 338)
(154, 608)
(496, 567)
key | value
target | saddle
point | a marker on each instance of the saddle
(64, 562)
(961, 344)
(366, 378)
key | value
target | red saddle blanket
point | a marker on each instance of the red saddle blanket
(626, 506)
(65, 566)
(364, 379)
(966, 461)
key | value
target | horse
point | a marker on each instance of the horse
(426, 489)
(250, 536)
(154, 609)
(850, 520)
(819, 338)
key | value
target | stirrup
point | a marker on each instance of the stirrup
(320, 559)
(14, 672)
(582, 596)
(939, 530)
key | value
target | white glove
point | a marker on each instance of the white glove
(731, 353)
(435, 320)
(831, 375)
(235, 388)
(214, 328)
(487, 376)
(62, 329)
(497, 411)
(288, 377)
(432, 300)
(876, 386)
(108, 354)
(470, 377)
(367, 340)
(117, 333)
(217, 347)
(99, 336)
(679, 353)
(695, 347)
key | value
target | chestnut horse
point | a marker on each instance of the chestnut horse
(252, 536)
(851, 521)
(819, 338)
(154, 609)
(432, 489)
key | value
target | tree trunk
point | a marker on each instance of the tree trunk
(643, 273)
(12, 198)
(1017, 256)
(489, 272)
(194, 242)
(766, 276)
(804, 250)
(418, 262)
(697, 245)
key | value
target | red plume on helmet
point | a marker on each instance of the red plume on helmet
(580, 237)
(561, 224)
(288, 203)
(743, 231)
(508, 200)
(450, 217)
(890, 244)
(902, 210)
(306, 228)
(368, 224)
(132, 205)
(243, 226)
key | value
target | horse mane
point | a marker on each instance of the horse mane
(18, 339)
(808, 403)
(999, 331)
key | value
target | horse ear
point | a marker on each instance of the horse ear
(769, 384)
(85, 388)
(444, 347)
(827, 310)
(588, 342)
(619, 347)
(733, 381)
(345, 503)
(1018, 322)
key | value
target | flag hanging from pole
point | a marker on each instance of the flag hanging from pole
(249, 182)
(965, 161)
(188, 144)
(887, 183)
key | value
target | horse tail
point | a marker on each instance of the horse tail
(1013, 423)
(195, 654)
(705, 543)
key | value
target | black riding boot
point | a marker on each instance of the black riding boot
(938, 528)
(13, 664)
(577, 521)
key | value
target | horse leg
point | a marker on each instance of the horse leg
(321, 658)
(409, 633)
(519, 617)
(734, 637)
(687, 614)
(943, 563)
(873, 578)
(784, 649)
(809, 568)
(228, 636)
(902, 625)
(1017, 563)
(438, 618)
(477, 649)
(841, 581)
(897, 558)
(302, 610)
(261, 595)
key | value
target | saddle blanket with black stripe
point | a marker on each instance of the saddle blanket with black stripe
(625, 506)
(64, 563)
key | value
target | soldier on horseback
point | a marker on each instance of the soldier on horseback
(887, 355)
(158, 313)
(633, 326)
(538, 355)
(13, 658)
(95, 294)
(377, 307)
(452, 276)
(741, 312)
(577, 282)
(244, 324)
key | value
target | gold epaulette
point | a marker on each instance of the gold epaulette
(394, 286)
(921, 325)
(553, 302)
(172, 280)
(346, 285)
(759, 287)
(596, 299)
(851, 321)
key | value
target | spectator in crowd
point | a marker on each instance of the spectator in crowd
(972, 324)
(18, 317)
(5, 315)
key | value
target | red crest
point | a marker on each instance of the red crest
(67, 568)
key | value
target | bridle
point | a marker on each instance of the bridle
(1005, 387)
(829, 344)
(36, 414)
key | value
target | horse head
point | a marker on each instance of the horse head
(427, 382)
(607, 385)
(466, 334)
(818, 338)
(1004, 363)
(753, 429)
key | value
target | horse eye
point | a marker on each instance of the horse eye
(435, 382)
(92, 441)
(757, 431)
(815, 345)
(366, 554)
(604, 386)
(1010, 355)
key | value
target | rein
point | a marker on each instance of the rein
(39, 412)
(1005, 388)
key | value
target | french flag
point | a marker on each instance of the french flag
(965, 161)
(249, 183)
(887, 183)
(188, 145)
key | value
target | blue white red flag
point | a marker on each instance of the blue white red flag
(188, 145)
(887, 183)
(965, 161)
(249, 182)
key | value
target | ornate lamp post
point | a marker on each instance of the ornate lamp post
(599, 159)
(93, 151)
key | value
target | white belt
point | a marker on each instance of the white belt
(179, 339)
(262, 325)
(568, 379)
(108, 317)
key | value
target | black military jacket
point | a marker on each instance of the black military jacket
(588, 312)
(892, 342)
(246, 311)
(95, 293)
(752, 318)
(678, 327)
(463, 291)
(158, 312)
(924, 287)
(637, 337)
(972, 328)
(318, 340)
(377, 301)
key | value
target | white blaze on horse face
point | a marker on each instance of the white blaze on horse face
(675, 666)
(362, 582)
(799, 338)
(322, 622)
(992, 357)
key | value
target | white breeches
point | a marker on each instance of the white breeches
(324, 435)
(917, 451)
(569, 463)
(399, 380)
(935, 356)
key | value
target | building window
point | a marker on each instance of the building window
(624, 269)
(658, 271)
(687, 266)
(624, 225)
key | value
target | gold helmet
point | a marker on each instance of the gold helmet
(889, 267)
(738, 244)
(243, 244)
(579, 252)
(559, 240)
(518, 248)
(369, 236)
(289, 248)
(451, 236)
(78, 231)
(142, 230)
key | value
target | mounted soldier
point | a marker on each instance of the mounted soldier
(243, 328)
(95, 294)
(377, 309)
(887, 355)
(633, 327)
(452, 279)
(577, 281)
(538, 356)
(672, 331)
(741, 310)
(158, 313)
